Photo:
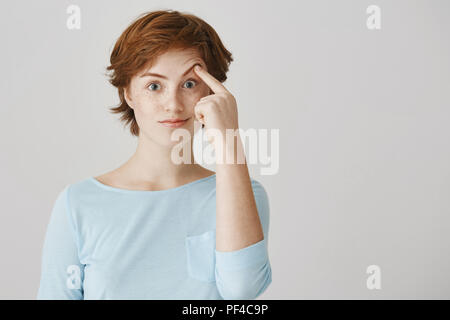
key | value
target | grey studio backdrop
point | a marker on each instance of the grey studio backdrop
(362, 115)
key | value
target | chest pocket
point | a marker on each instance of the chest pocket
(201, 258)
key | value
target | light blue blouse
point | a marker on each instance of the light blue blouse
(104, 242)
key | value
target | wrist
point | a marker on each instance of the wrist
(229, 150)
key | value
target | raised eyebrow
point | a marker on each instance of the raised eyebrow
(147, 74)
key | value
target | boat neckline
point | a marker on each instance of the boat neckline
(121, 190)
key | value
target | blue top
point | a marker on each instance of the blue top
(104, 242)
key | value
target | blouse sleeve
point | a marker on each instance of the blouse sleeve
(246, 273)
(62, 273)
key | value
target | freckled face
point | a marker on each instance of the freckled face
(169, 89)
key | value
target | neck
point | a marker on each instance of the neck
(152, 162)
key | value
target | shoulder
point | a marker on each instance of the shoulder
(69, 189)
(259, 190)
(262, 203)
(257, 184)
(81, 192)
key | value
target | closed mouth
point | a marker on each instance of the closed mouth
(173, 121)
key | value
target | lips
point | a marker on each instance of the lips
(176, 120)
(174, 123)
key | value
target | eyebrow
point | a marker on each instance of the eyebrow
(146, 74)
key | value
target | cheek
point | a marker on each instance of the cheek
(147, 109)
(202, 92)
(190, 98)
(145, 114)
(145, 104)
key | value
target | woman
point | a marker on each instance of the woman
(153, 228)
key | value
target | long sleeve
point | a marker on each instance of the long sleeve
(62, 273)
(246, 273)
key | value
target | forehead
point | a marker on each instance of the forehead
(174, 62)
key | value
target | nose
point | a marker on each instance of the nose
(173, 103)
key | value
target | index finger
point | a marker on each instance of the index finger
(215, 85)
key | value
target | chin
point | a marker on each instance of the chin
(163, 137)
(180, 136)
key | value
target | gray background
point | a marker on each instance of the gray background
(364, 135)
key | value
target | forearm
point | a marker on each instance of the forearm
(237, 221)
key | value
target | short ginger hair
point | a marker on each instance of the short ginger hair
(154, 33)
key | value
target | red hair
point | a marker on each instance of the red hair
(152, 34)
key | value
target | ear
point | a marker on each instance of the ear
(127, 97)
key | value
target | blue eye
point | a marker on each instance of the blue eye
(153, 84)
(195, 82)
